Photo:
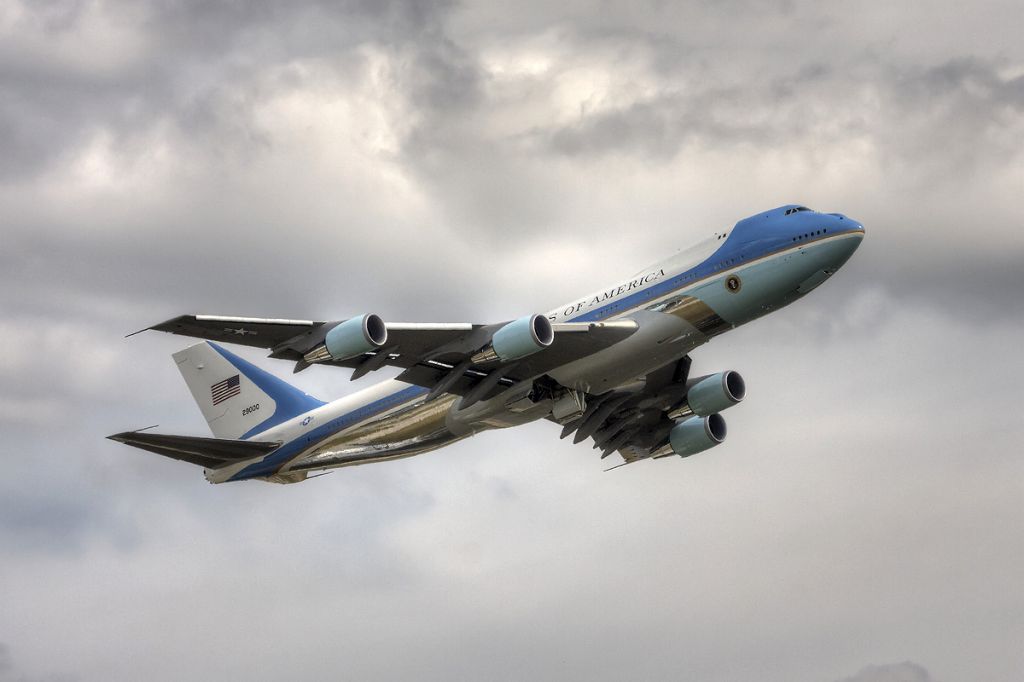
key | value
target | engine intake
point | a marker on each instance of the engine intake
(517, 339)
(712, 394)
(696, 434)
(350, 338)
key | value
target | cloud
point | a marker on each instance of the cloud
(444, 161)
(892, 672)
(898, 112)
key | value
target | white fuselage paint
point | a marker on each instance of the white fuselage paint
(643, 280)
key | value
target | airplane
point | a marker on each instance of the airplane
(612, 366)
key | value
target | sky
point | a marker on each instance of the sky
(478, 161)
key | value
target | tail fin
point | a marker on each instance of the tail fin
(237, 398)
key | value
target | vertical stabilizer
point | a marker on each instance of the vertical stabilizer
(238, 399)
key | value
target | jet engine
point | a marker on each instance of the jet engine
(694, 435)
(517, 339)
(356, 336)
(712, 394)
(350, 338)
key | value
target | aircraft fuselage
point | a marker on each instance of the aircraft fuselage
(763, 263)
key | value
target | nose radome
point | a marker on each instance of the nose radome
(848, 224)
(853, 235)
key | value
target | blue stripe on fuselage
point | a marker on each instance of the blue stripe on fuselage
(278, 458)
(750, 239)
(664, 287)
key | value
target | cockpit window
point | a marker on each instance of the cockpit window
(796, 209)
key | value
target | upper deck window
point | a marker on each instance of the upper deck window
(796, 209)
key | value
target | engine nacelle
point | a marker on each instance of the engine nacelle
(356, 336)
(715, 393)
(517, 339)
(696, 434)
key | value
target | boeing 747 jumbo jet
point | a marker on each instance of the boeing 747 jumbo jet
(612, 366)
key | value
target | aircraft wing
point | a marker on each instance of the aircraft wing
(247, 331)
(433, 355)
(291, 339)
(634, 423)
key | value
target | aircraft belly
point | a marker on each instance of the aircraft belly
(409, 431)
(342, 455)
(513, 407)
(661, 339)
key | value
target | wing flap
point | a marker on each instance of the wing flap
(633, 423)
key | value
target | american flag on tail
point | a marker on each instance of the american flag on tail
(222, 390)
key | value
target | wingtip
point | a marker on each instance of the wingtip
(165, 326)
(617, 466)
(124, 435)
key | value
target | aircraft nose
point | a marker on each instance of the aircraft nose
(845, 223)
(852, 229)
(844, 235)
(853, 233)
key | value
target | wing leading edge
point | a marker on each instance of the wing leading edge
(432, 354)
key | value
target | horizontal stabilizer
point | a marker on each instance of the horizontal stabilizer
(210, 453)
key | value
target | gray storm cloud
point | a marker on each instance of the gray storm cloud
(476, 161)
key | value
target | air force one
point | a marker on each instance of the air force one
(612, 366)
